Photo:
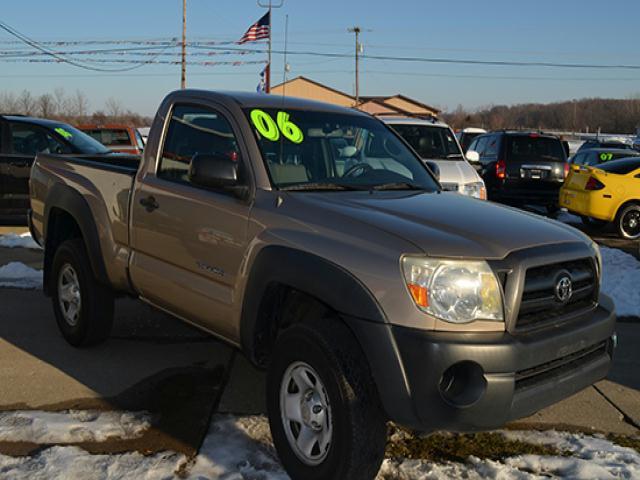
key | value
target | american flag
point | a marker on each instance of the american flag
(259, 30)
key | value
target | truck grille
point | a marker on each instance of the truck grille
(560, 366)
(449, 186)
(540, 299)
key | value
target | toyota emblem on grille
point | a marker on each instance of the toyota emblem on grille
(564, 289)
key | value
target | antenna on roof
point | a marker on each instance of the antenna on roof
(286, 68)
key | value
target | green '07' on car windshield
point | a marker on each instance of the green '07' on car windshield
(62, 132)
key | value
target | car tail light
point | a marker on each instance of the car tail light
(501, 169)
(567, 168)
(594, 184)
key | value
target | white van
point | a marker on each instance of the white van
(435, 143)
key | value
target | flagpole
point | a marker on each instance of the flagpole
(269, 6)
(268, 83)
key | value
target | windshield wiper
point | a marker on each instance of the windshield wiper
(454, 155)
(320, 186)
(397, 186)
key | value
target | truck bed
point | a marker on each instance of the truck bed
(104, 184)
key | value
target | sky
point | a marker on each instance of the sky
(559, 31)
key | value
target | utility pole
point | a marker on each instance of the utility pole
(357, 31)
(183, 77)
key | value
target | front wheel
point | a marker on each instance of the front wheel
(324, 411)
(628, 222)
(593, 222)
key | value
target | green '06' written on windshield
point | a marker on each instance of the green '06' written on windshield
(271, 130)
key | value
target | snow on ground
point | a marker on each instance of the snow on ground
(24, 240)
(621, 280)
(71, 426)
(238, 448)
(591, 458)
(19, 275)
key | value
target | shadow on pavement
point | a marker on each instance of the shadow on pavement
(151, 362)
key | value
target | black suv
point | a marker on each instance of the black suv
(21, 139)
(521, 168)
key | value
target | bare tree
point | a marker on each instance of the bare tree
(78, 105)
(25, 103)
(46, 105)
(8, 103)
(114, 107)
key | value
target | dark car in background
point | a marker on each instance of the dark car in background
(602, 143)
(521, 168)
(21, 139)
(596, 156)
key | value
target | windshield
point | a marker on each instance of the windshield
(311, 150)
(430, 141)
(532, 147)
(81, 142)
(466, 138)
(117, 137)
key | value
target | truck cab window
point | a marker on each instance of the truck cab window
(194, 130)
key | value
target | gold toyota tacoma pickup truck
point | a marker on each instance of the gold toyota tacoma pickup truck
(314, 239)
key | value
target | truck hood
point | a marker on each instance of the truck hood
(442, 224)
(455, 171)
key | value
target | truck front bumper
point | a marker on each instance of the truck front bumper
(479, 381)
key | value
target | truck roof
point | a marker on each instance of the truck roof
(261, 100)
(413, 121)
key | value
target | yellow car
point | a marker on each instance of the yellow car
(607, 193)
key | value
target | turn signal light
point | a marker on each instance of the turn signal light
(501, 169)
(419, 295)
(594, 184)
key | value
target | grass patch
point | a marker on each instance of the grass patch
(454, 447)
(624, 441)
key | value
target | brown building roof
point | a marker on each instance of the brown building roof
(376, 105)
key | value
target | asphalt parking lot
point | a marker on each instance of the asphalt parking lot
(155, 363)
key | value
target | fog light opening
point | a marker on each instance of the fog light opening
(462, 384)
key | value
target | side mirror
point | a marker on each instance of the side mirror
(472, 156)
(213, 171)
(434, 169)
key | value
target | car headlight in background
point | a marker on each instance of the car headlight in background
(474, 189)
(452, 290)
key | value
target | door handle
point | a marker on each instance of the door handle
(149, 203)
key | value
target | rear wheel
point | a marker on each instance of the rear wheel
(552, 210)
(324, 411)
(628, 221)
(83, 307)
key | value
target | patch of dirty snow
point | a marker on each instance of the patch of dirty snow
(71, 426)
(19, 275)
(23, 240)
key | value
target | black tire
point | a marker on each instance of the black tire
(593, 222)
(552, 210)
(626, 215)
(94, 319)
(359, 433)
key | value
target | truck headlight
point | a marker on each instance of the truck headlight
(474, 189)
(452, 290)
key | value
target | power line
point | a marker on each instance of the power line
(499, 77)
(61, 58)
(448, 60)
